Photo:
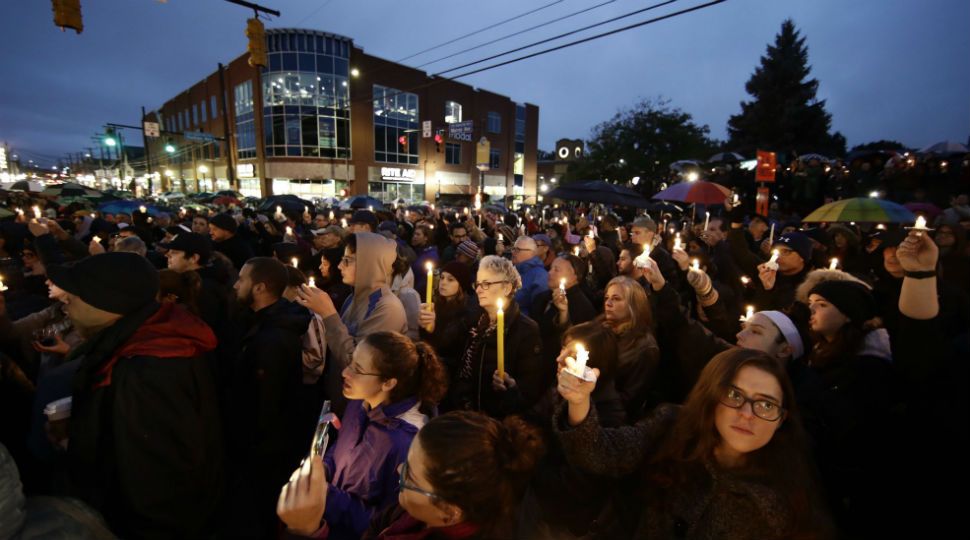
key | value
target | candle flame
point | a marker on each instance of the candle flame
(834, 265)
(920, 222)
(745, 280)
(430, 267)
(296, 262)
(501, 304)
(697, 264)
(312, 282)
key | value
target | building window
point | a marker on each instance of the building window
(453, 153)
(306, 96)
(520, 128)
(395, 126)
(212, 107)
(494, 122)
(245, 123)
(452, 112)
(495, 159)
(202, 111)
(195, 114)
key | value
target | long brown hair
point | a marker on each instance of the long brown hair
(416, 367)
(783, 464)
(641, 315)
(481, 465)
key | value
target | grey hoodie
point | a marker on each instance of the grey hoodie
(372, 307)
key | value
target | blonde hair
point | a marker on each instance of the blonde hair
(641, 316)
(504, 267)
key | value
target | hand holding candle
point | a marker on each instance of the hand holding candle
(577, 366)
(772, 263)
(920, 226)
(562, 286)
(677, 243)
(641, 260)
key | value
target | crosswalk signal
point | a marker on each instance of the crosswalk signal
(438, 139)
(403, 141)
(67, 14)
(257, 42)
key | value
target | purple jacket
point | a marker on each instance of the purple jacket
(363, 464)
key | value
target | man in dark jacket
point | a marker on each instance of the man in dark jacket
(145, 443)
(264, 421)
(190, 252)
(223, 229)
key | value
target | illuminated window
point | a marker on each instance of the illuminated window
(452, 112)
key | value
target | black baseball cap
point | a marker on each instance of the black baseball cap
(191, 243)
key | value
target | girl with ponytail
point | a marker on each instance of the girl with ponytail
(463, 478)
(394, 386)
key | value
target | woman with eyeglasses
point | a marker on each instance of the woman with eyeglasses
(394, 386)
(462, 478)
(477, 386)
(730, 463)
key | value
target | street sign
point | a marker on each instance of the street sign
(199, 136)
(151, 129)
(461, 131)
(483, 153)
(426, 129)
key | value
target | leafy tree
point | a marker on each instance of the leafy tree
(881, 145)
(642, 141)
(784, 115)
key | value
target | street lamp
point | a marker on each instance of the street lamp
(202, 170)
(544, 188)
(692, 176)
(354, 72)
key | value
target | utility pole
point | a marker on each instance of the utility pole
(148, 152)
(230, 147)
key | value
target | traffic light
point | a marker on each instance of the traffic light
(67, 14)
(438, 139)
(110, 139)
(169, 146)
(257, 42)
(403, 141)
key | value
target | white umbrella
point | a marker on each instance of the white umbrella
(945, 148)
(805, 158)
(683, 164)
(24, 185)
(726, 157)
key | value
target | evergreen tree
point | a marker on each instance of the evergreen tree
(784, 115)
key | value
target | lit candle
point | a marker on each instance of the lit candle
(2, 286)
(96, 239)
(432, 208)
(430, 286)
(20, 211)
(707, 220)
(749, 312)
(331, 215)
(771, 237)
(370, 208)
(306, 210)
(834, 265)
(920, 226)
(562, 285)
(591, 235)
(289, 231)
(466, 210)
(737, 201)
(279, 211)
(343, 222)
(772, 263)
(500, 334)
(577, 366)
(677, 244)
(576, 251)
(500, 238)
(745, 280)
(296, 262)
(696, 266)
(881, 227)
(93, 216)
(312, 282)
(36, 212)
(142, 209)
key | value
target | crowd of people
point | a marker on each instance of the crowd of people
(163, 375)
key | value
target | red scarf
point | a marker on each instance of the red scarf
(172, 332)
(408, 528)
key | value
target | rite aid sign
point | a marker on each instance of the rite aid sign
(394, 173)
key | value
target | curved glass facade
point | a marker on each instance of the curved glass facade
(306, 95)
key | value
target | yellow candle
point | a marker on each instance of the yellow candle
(430, 287)
(834, 265)
(500, 329)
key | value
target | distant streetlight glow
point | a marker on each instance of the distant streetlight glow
(203, 169)
(636, 180)
(692, 176)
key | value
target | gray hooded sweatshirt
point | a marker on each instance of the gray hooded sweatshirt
(372, 307)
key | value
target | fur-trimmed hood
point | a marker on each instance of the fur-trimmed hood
(817, 276)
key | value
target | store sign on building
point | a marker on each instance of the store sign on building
(398, 174)
(461, 131)
(245, 170)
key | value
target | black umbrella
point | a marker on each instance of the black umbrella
(289, 203)
(599, 191)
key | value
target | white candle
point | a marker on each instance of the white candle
(577, 366)
(749, 312)
(707, 220)
(591, 235)
(36, 212)
(2, 286)
(642, 259)
(562, 285)
(96, 239)
(500, 238)
(834, 264)
(774, 257)
(331, 215)
(289, 231)
(20, 211)
(677, 244)
(771, 237)
(576, 251)
(696, 265)
(920, 222)
(370, 208)
(312, 282)
(343, 222)
(296, 262)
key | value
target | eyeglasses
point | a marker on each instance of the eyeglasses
(518, 249)
(347, 261)
(486, 284)
(355, 369)
(762, 408)
(402, 484)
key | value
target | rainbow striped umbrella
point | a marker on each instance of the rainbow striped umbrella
(861, 210)
(699, 191)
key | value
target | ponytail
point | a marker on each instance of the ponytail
(481, 465)
(416, 367)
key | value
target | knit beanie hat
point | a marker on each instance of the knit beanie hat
(116, 282)
(468, 248)
(797, 242)
(853, 299)
(461, 272)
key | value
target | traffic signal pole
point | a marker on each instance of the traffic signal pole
(148, 152)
